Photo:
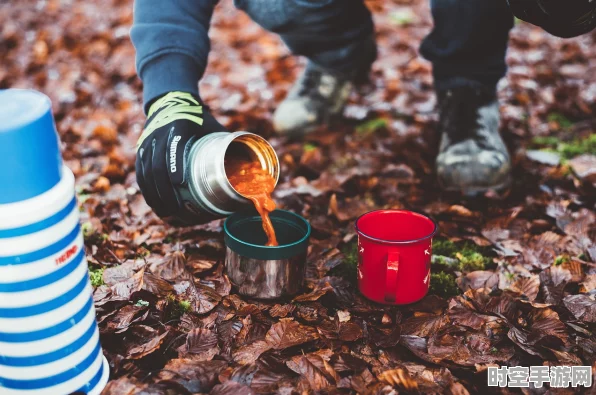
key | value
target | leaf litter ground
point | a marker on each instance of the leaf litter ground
(514, 277)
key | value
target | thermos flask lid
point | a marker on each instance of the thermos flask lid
(30, 161)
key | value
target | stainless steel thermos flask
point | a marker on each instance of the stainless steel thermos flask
(208, 192)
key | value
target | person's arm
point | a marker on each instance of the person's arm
(170, 37)
(172, 44)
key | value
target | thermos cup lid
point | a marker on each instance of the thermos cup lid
(30, 161)
(243, 234)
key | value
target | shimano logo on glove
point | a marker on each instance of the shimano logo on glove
(173, 149)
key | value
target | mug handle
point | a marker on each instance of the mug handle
(392, 266)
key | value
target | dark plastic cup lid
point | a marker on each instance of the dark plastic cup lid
(243, 234)
(30, 161)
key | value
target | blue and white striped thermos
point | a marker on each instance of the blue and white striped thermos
(49, 340)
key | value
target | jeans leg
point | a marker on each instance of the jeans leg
(468, 43)
(334, 34)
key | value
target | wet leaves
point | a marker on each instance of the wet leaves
(195, 376)
(231, 388)
(281, 311)
(251, 352)
(126, 288)
(584, 167)
(201, 345)
(122, 386)
(400, 378)
(526, 287)
(316, 369)
(478, 280)
(123, 318)
(423, 324)
(147, 348)
(583, 307)
(546, 322)
(513, 277)
(157, 286)
(288, 333)
(172, 268)
(202, 299)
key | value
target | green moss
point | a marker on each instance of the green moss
(308, 147)
(92, 235)
(578, 147)
(471, 257)
(143, 252)
(177, 307)
(184, 306)
(87, 229)
(348, 268)
(561, 259)
(566, 149)
(441, 261)
(350, 263)
(546, 141)
(371, 126)
(471, 260)
(142, 303)
(82, 197)
(96, 276)
(444, 247)
(560, 119)
(351, 255)
(444, 285)
(583, 256)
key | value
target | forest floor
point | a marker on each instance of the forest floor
(514, 277)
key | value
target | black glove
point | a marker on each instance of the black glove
(562, 18)
(175, 122)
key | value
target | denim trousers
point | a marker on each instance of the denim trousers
(467, 45)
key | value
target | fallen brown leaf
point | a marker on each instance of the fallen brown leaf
(400, 378)
(319, 373)
(201, 345)
(147, 348)
(583, 307)
(288, 333)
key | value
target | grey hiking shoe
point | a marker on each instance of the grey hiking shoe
(317, 97)
(473, 158)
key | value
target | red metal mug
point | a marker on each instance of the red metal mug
(394, 251)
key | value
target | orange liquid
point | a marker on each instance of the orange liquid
(256, 184)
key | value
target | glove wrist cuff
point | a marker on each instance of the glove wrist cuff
(168, 73)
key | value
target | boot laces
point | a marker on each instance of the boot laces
(459, 113)
(317, 85)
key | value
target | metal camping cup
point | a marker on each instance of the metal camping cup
(266, 272)
(394, 252)
(208, 192)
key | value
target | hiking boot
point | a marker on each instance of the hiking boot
(315, 99)
(473, 158)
